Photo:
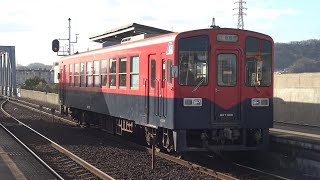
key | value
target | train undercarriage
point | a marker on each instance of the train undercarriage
(162, 138)
(221, 139)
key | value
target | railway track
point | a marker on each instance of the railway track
(235, 171)
(65, 165)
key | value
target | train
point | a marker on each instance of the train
(199, 90)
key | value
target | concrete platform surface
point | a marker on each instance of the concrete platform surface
(17, 163)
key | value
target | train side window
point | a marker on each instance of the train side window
(153, 72)
(76, 75)
(103, 73)
(70, 74)
(169, 70)
(112, 72)
(134, 72)
(82, 67)
(89, 74)
(227, 70)
(163, 75)
(122, 72)
(96, 74)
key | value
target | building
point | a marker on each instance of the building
(55, 71)
(23, 74)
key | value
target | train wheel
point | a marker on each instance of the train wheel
(158, 147)
(83, 119)
(148, 136)
(167, 140)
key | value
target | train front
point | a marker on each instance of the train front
(223, 90)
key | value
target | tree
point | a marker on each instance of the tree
(32, 83)
(39, 84)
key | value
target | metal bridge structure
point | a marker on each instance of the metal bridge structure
(8, 71)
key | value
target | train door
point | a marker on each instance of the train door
(163, 88)
(227, 86)
(152, 91)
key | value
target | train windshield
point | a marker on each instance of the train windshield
(193, 61)
(258, 62)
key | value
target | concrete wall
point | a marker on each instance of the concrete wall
(40, 96)
(297, 97)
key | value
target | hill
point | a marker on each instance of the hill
(34, 66)
(298, 56)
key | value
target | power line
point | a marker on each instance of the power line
(240, 13)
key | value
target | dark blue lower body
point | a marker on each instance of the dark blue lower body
(186, 122)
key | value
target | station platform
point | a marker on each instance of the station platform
(300, 151)
(309, 137)
(17, 163)
(306, 141)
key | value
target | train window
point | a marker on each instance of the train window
(227, 70)
(76, 75)
(122, 72)
(112, 73)
(193, 60)
(96, 73)
(163, 74)
(89, 74)
(82, 67)
(70, 74)
(153, 72)
(134, 72)
(258, 62)
(104, 73)
(169, 70)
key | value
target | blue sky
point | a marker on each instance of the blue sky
(31, 25)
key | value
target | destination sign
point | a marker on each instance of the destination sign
(227, 37)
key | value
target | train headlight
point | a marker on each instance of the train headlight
(259, 102)
(192, 101)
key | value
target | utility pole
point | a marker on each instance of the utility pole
(69, 35)
(56, 44)
(240, 13)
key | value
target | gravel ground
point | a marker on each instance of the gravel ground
(109, 153)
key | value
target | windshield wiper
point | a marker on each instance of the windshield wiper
(198, 85)
(256, 87)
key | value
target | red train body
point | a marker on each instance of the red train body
(191, 91)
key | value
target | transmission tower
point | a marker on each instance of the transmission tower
(240, 13)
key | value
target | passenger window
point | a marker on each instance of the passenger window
(103, 73)
(76, 75)
(96, 73)
(89, 74)
(134, 72)
(153, 72)
(122, 72)
(82, 67)
(163, 75)
(227, 67)
(112, 72)
(70, 74)
(169, 71)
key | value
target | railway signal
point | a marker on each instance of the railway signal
(55, 45)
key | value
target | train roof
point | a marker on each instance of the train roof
(139, 43)
(157, 39)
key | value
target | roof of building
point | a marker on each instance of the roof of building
(121, 32)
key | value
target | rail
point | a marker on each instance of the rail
(80, 161)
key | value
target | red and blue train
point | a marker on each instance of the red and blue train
(191, 91)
